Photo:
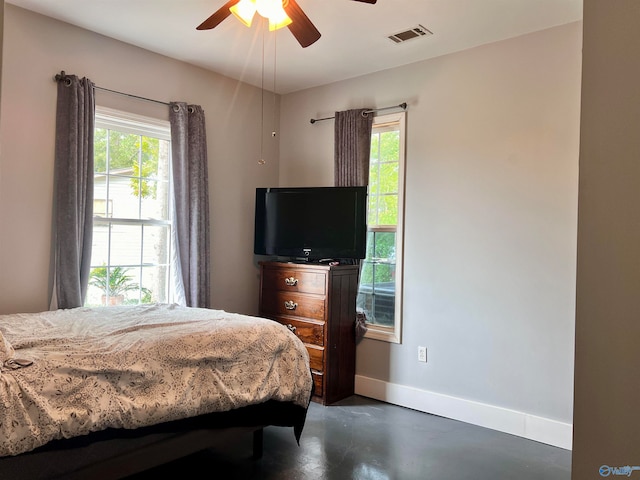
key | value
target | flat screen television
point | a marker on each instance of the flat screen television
(311, 223)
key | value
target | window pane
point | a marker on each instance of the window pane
(102, 208)
(155, 246)
(124, 151)
(94, 297)
(388, 210)
(155, 282)
(100, 202)
(377, 298)
(390, 146)
(384, 277)
(124, 285)
(154, 199)
(389, 177)
(385, 246)
(364, 300)
(370, 245)
(366, 274)
(149, 158)
(100, 150)
(100, 245)
(384, 304)
(113, 286)
(374, 178)
(126, 241)
(376, 293)
(123, 196)
(383, 210)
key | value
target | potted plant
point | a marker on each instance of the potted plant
(114, 284)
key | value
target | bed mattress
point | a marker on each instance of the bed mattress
(135, 366)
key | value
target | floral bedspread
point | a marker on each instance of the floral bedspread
(134, 366)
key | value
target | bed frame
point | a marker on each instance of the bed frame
(117, 453)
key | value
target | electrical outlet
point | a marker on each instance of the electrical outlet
(422, 354)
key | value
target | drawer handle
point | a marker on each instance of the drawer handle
(291, 327)
(290, 305)
(291, 281)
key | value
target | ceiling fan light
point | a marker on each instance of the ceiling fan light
(279, 22)
(273, 10)
(265, 7)
(244, 11)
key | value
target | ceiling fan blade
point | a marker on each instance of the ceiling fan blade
(219, 15)
(366, 1)
(300, 27)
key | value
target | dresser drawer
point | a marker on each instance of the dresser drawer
(308, 331)
(289, 303)
(316, 357)
(292, 280)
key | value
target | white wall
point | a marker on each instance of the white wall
(35, 49)
(607, 391)
(491, 214)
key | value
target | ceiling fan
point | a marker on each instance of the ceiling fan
(296, 21)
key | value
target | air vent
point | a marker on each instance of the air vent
(415, 32)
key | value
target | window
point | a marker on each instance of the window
(380, 290)
(132, 223)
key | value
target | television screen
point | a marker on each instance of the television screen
(311, 223)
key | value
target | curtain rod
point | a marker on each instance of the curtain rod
(366, 112)
(63, 76)
(131, 95)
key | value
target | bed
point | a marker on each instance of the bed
(110, 391)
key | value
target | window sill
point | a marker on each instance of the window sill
(384, 334)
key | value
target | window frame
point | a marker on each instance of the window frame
(130, 123)
(380, 332)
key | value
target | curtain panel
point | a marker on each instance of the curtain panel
(352, 151)
(352, 147)
(191, 193)
(73, 191)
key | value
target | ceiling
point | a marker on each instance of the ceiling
(354, 38)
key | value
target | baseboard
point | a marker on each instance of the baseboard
(532, 427)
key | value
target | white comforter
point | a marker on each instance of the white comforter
(128, 367)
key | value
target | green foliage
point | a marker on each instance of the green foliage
(135, 155)
(115, 281)
(144, 188)
(383, 178)
(390, 146)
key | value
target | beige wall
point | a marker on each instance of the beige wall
(491, 214)
(491, 191)
(607, 391)
(35, 49)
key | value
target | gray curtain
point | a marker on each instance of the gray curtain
(352, 152)
(73, 191)
(352, 147)
(191, 192)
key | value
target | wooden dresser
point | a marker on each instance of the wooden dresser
(318, 303)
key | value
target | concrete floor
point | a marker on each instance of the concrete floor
(364, 439)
